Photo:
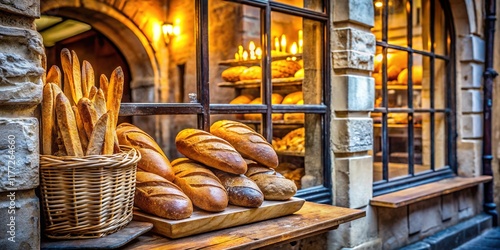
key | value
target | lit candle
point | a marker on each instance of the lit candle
(301, 41)
(283, 43)
(293, 49)
(240, 51)
(251, 47)
(245, 55)
(258, 52)
(276, 44)
(236, 56)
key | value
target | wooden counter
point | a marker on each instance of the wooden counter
(312, 219)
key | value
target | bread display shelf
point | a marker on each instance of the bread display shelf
(201, 221)
(233, 62)
(277, 82)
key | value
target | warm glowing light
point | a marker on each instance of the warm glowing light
(258, 52)
(236, 56)
(167, 28)
(240, 52)
(276, 44)
(251, 47)
(245, 55)
(170, 30)
(293, 49)
(283, 43)
(301, 41)
(379, 4)
(177, 30)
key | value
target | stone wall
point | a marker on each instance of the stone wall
(21, 53)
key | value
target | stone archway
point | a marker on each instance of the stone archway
(128, 38)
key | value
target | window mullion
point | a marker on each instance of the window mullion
(202, 64)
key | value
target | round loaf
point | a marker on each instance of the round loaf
(252, 73)
(242, 99)
(299, 73)
(210, 150)
(286, 67)
(232, 74)
(293, 98)
(273, 185)
(158, 196)
(200, 184)
(153, 159)
(240, 189)
(246, 141)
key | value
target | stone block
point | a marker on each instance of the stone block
(449, 207)
(350, 59)
(29, 8)
(467, 203)
(472, 74)
(469, 158)
(472, 100)
(472, 126)
(355, 11)
(352, 134)
(353, 39)
(393, 227)
(19, 220)
(353, 93)
(20, 66)
(18, 154)
(353, 181)
(472, 49)
(354, 233)
(430, 210)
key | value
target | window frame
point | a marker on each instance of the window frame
(386, 185)
(204, 109)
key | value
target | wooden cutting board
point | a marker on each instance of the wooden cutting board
(201, 221)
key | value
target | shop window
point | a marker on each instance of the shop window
(413, 115)
(263, 64)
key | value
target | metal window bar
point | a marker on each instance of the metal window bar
(409, 90)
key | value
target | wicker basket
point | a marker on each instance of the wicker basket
(87, 197)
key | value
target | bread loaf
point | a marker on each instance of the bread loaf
(246, 141)
(252, 73)
(210, 150)
(273, 185)
(293, 98)
(96, 139)
(242, 99)
(153, 159)
(240, 189)
(158, 196)
(275, 99)
(232, 74)
(66, 123)
(200, 185)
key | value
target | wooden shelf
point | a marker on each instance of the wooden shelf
(233, 62)
(277, 82)
(427, 191)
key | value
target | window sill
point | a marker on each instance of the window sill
(427, 191)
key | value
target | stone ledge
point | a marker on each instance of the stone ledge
(427, 191)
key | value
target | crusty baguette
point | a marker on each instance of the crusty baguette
(92, 93)
(200, 185)
(77, 77)
(109, 137)
(88, 80)
(54, 75)
(48, 118)
(160, 197)
(84, 139)
(68, 75)
(67, 126)
(273, 185)
(100, 102)
(210, 150)
(115, 92)
(96, 139)
(153, 159)
(89, 115)
(104, 83)
(241, 190)
(246, 141)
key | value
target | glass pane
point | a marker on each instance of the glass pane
(421, 29)
(422, 142)
(397, 24)
(440, 141)
(300, 148)
(398, 144)
(377, 28)
(421, 88)
(316, 5)
(235, 60)
(441, 39)
(440, 87)
(397, 62)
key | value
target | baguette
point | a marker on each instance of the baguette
(158, 196)
(246, 141)
(241, 190)
(68, 75)
(96, 139)
(113, 101)
(100, 102)
(48, 116)
(273, 185)
(77, 77)
(54, 75)
(153, 159)
(88, 80)
(92, 93)
(103, 83)
(88, 114)
(81, 130)
(200, 185)
(210, 150)
(67, 126)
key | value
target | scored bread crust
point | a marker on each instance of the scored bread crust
(246, 141)
(210, 150)
(273, 185)
(241, 190)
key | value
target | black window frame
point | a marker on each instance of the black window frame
(386, 185)
(203, 108)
